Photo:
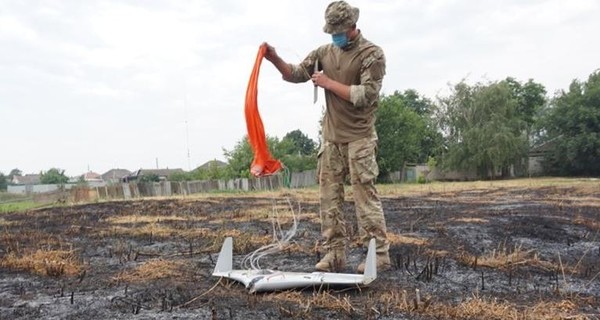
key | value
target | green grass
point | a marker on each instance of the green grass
(18, 206)
(5, 196)
(16, 202)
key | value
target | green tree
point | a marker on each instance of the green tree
(431, 138)
(298, 163)
(181, 176)
(296, 142)
(3, 182)
(484, 130)
(412, 100)
(150, 177)
(531, 99)
(400, 130)
(240, 158)
(81, 180)
(213, 172)
(14, 172)
(572, 128)
(54, 176)
(295, 151)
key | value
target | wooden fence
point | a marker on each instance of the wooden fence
(133, 190)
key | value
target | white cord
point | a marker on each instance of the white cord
(280, 239)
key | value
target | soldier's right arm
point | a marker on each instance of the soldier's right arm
(283, 67)
(303, 71)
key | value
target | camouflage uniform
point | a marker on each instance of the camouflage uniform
(349, 138)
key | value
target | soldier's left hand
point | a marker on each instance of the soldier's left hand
(320, 79)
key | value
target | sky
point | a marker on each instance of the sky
(95, 85)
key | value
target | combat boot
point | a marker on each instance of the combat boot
(383, 263)
(333, 261)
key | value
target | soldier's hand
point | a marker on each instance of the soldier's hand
(270, 54)
(321, 80)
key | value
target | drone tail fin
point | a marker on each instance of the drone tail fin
(370, 273)
(225, 260)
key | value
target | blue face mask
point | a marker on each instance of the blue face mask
(340, 39)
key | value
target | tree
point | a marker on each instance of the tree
(296, 151)
(531, 99)
(54, 176)
(412, 100)
(150, 177)
(299, 163)
(483, 128)
(240, 158)
(3, 182)
(14, 172)
(572, 128)
(214, 171)
(431, 139)
(181, 176)
(301, 144)
(400, 130)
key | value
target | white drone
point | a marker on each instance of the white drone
(261, 280)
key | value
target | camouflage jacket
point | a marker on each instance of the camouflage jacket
(361, 65)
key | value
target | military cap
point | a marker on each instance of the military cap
(340, 17)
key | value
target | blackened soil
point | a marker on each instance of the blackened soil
(521, 248)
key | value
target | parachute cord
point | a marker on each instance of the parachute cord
(281, 239)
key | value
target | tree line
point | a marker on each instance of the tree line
(489, 127)
(52, 176)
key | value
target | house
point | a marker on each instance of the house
(113, 176)
(28, 179)
(212, 164)
(163, 174)
(91, 176)
(537, 156)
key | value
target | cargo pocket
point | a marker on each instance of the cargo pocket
(364, 160)
(333, 162)
(319, 160)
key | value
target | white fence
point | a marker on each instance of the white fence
(170, 188)
(83, 193)
(43, 188)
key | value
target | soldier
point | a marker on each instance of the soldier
(351, 71)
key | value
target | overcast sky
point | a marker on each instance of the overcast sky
(128, 84)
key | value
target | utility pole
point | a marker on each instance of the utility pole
(187, 131)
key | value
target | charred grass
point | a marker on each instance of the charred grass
(519, 249)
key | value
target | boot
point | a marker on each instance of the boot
(383, 263)
(333, 261)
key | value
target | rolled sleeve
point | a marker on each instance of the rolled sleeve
(302, 72)
(371, 78)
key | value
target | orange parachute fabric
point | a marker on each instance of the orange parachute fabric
(263, 163)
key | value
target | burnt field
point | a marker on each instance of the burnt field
(525, 249)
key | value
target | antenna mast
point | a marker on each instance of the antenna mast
(187, 131)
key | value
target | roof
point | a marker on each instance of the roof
(114, 174)
(163, 174)
(543, 147)
(27, 179)
(159, 172)
(92, 176)
(212, 164)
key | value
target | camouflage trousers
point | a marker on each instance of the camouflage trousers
(336, 162)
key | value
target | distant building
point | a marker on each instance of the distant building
(92, 177)
(28, 179)
(212, 164)
(113, 176)
(537, 156)
(163, 174)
